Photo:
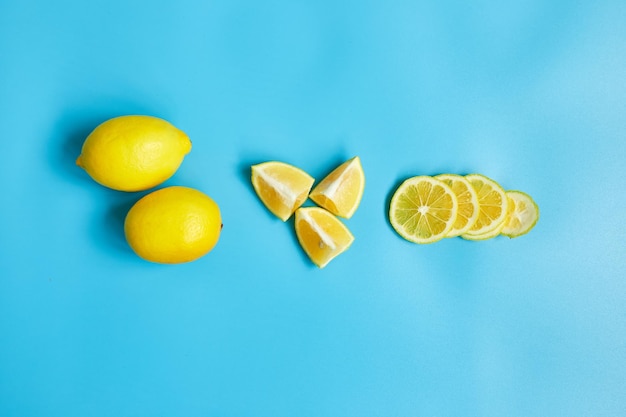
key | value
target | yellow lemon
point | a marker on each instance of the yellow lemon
(340, 192)
(133, 153)
(322, 235)
(173, 225)
(281, 187)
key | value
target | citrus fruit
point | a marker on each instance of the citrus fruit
(281, 187)
(494, 232)
(484, 236)
(423, 209)
(492, 204)
(522, 217)
(340, 192)
(173, 225)
(133, 153)
(467, 200)
(322, 235)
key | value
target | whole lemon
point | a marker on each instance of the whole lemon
(133, 153)
(173, 225)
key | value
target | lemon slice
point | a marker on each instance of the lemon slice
(281, 187)
(423, 209)
(322, 235)
(340, 192)
(522, 217)
(492, 203)
(467, 200)
(495, 232)
(484, 236)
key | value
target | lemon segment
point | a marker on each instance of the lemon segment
(281, 187)
(133, 153)
(492, 203)
(423, 209)
(467, 200)
(340, 192)
(523, 217)
(322, 235)
(173, 225)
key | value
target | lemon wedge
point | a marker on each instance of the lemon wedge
(340, 192)
(133, 153)
(322, 235)
(281, 187)
(423, 209)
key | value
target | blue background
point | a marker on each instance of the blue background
(530, 93)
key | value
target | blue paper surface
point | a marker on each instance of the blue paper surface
(529, 93)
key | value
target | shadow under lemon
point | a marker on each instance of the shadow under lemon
(107, 229)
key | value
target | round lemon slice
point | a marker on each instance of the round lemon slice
(423, 209)
(281, 187)
(484, 236)
(492, 204)
(467, 200)
(522, 217)
(322, 235)
(340, 192)
(495, 232)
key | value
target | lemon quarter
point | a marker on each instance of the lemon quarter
(490, 234)
(322, 235)
(340, 192)
(281, 187)
(133, 153)
(173, 225)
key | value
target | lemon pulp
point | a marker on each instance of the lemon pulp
(524, 215)
(492, 204)
(281, 187)
(322, 235)
(423, 209)
(467, 201)
(340, 192)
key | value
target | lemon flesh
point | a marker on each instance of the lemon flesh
(523, 217)
(423, 209)
(492, 203)
(340, 192)
(484, 236)
(322, 235)
(467, 200)
(281, 187)
(173, 225)
(133, 153)
(490, 234)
